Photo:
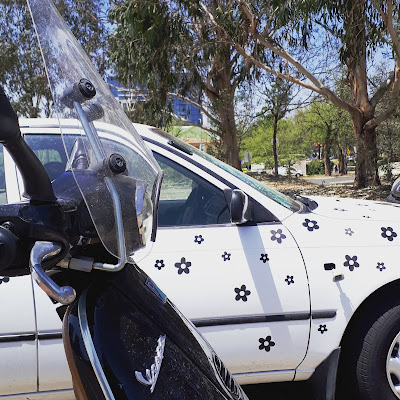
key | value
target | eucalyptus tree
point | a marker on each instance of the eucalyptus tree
(21, 69)
(277, 100)
(361, 28)
(170, 48)
(326, 124)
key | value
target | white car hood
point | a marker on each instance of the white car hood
(356, 209)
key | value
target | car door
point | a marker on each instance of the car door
(18, 358)
(244, 287)
(53, 370)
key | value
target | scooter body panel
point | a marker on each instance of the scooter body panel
(135, 331)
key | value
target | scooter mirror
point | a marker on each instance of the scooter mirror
(9, 127)
(36, 181)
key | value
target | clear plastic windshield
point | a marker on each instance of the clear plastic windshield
(114, 170)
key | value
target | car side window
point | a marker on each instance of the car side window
(50, 151)
(187, 199)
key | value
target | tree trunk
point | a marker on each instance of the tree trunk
(274, 147)
(229, 133)
(327, 161)
(222, 94)
(367, 154)
(327, 150)
(342, 161)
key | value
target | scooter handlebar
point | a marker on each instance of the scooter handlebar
(41, 251)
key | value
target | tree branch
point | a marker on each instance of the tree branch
(210, 91)
(315, 85)
(193, 103)
(383, 88)
(388, 21)
(374, 122)
(331, 31)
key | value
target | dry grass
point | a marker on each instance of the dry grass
(302, 187)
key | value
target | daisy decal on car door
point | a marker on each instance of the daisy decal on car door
(278, 236)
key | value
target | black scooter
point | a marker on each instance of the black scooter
(123, 338)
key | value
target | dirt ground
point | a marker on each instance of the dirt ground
(301, 186)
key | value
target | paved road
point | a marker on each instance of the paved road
(331, 180)
(279, 391)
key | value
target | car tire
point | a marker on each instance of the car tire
(372, 362)
(297, 175)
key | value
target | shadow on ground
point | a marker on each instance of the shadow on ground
(279, 391)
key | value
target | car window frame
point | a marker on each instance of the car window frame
(262, 213)
(194, 177)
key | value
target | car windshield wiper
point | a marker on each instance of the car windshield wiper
(310, 204)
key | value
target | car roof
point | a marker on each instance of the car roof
(36, 125)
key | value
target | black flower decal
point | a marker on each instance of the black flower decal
(351, 262)
(183, 266)
(198, 239)
(226, 256)
(381, 266)
(388, 233)
(322, 329)
(159, 264)
(264, 258)
(289, 279)
(5, 280)
(348, 231)
(242, 293)
(266, 343)
(278, 236)
(310, 225)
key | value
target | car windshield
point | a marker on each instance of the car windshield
(273, 194)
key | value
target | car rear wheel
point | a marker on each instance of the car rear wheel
(372, 362)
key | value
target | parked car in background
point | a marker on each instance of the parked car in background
(284, 171)
(283, 288)
(258, 168)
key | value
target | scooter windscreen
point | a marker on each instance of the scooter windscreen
(116, 173)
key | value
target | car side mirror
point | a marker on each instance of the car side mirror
(394, 195)
(240, 206)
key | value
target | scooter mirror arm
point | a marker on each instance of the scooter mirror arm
(36, 181)
(91, 136)
(41, 251)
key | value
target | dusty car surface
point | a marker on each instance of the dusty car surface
(278, 286)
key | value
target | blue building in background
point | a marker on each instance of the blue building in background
(187, 111)
(179, 107)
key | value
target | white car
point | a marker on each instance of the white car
(277, 293)
(283, 171)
